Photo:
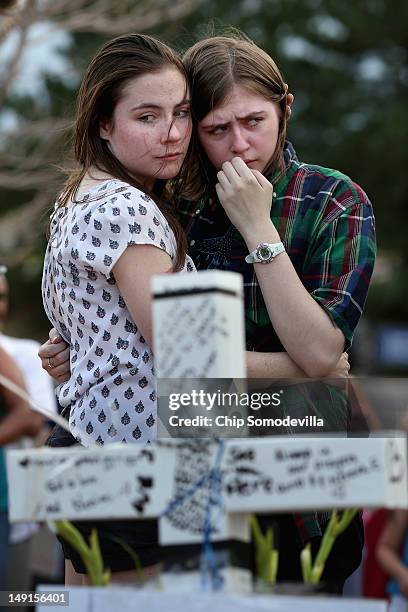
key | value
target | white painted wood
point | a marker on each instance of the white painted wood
(199, 333)
(279, 474)
(258, 475)
(71, 483)
(86, 599)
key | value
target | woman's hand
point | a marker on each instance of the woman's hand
(342, 368)
(54, 355)
(246, 196)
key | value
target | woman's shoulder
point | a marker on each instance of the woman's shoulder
(106, 191)
(118, 197)
(109, 217)
(112, 201)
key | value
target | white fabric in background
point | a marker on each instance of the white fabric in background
(41, 388)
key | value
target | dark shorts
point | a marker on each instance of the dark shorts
(140, 535)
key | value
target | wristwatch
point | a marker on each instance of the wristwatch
(265, 252)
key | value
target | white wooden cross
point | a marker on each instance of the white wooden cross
(258, 475)
(198, 333)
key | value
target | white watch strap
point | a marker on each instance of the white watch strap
(275, 248)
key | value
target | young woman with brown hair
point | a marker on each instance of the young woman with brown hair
(114, 227)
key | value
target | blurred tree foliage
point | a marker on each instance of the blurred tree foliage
(346, 63)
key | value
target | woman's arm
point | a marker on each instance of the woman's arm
(271, 365)
(259, 365)
(133, 274)
(280, 365)
(306, 331)
(389, 546)
(19, 420)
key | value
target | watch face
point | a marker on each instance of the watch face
(264, 252)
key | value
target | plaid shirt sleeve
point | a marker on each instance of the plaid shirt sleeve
(339, 265)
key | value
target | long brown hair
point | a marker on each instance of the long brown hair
(214, 65)
(120, 59)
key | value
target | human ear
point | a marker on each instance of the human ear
(105, 129)
(289, 101)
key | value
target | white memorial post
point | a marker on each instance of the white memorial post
(198, 326)
(199, 343)
(105, 600)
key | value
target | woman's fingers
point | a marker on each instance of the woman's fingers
(49, 350)
(241, 168)
(236, 176)
(264, 183)
(61, 374)
(237, 172)
(61, 359)
(55, 359)
(54, 336)
(346, 358)
(230, 173)
(342, 368)
(220, 192)
(289, 101)
(223, 180)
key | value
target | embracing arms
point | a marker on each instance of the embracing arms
(259, 365)
(313, 322)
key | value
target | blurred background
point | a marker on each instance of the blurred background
(346, 63)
